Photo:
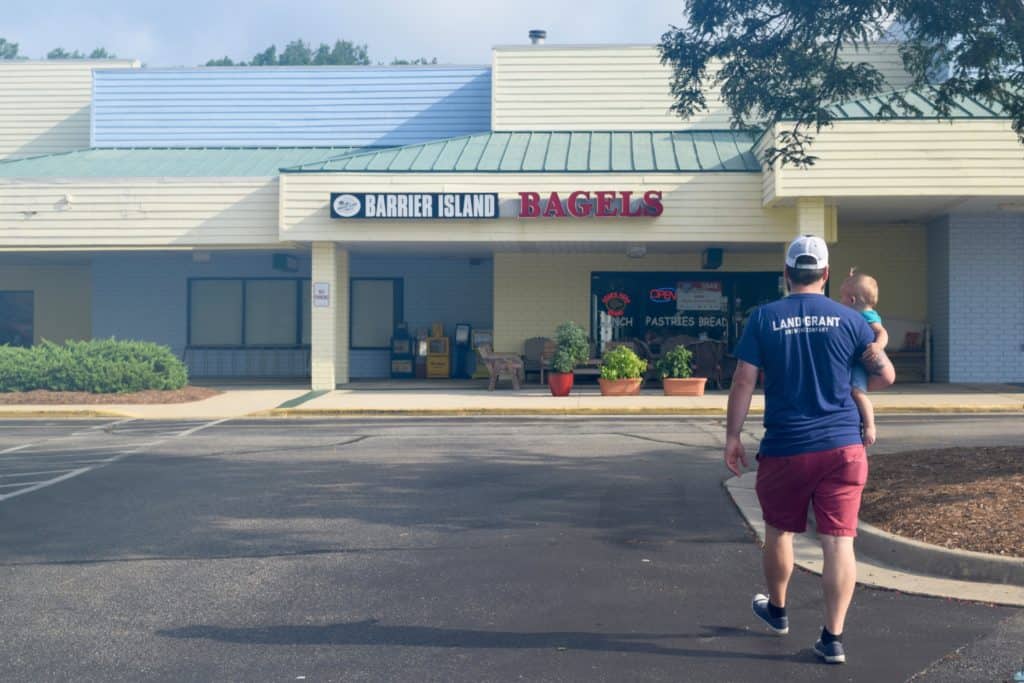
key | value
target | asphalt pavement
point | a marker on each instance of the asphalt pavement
(459, 549)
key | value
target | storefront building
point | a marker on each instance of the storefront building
(282, 221)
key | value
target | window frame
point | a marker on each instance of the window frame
(300, 312)
(398, 307)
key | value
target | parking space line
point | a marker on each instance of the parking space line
(34, 474)
(201, 427)
(44, 484)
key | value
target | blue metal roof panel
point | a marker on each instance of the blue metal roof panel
(281, 106)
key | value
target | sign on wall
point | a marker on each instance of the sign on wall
(417, 205)
(321, 294)
(587, 204)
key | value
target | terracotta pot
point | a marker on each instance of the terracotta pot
(620, 387)
(560, 383)
(684, 386)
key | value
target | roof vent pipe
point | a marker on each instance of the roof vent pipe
(537, 36)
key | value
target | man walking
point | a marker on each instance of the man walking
(812, 451)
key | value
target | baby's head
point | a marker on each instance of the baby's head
(859, 291)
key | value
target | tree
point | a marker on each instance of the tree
(224, 61)
(8, 50)
(414, 62)
(783, 61)
(295, 53)
(61, 53)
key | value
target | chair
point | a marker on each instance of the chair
(501, 363)
(707, 361)
(537, 355)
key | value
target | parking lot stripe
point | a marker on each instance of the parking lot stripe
(44, 484)
(33, 474)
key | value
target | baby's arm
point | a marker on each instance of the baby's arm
(881, 341)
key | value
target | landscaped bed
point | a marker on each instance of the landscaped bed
(964, 498)
(43, 397)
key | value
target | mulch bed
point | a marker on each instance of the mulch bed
(42, 397)
(963, 498)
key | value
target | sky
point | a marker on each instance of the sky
(189, 32)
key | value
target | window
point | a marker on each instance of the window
(16, 318)
(375, 310)
(258, 312)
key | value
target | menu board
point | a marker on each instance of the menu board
(695, 295)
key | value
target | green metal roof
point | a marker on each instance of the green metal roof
(922, 98)
(166, 162)
(557, 152)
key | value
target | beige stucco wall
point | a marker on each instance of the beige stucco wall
(62, 305)
(534, 293)
(896, 256)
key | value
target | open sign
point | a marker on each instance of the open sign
(661, 295)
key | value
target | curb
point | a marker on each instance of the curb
(912, 555)
(347, 412)
(64, 414)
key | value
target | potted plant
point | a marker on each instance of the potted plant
(622, 372)
(675, 369)
(572, 348)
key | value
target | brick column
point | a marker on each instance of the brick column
(324, 319)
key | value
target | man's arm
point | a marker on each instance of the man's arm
(742, 389)
(881, 373)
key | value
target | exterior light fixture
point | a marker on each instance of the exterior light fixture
(636, 251)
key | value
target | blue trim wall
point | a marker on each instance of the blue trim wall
(288, 106)
(145, 295)
(447, 290)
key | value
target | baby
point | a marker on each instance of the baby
(860, 292)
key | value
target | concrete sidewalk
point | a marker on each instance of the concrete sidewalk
(470, 397)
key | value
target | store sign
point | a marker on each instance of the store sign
(587, 204)
(416, 205)
(663, 295)
(615, 303)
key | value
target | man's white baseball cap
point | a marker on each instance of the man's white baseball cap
(807, 245)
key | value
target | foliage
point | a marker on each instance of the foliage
(622, 363)
(786, 61)
(419, 61)
(573, 347)
(563, 361)
(299, 53)
(98, 366)
(98, 53)
(8, 50)
(677, 363)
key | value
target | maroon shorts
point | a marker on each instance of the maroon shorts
(830, 480)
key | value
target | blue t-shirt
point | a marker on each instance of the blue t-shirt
(807, 345)
(871, 316)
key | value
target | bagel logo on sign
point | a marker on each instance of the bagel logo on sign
(615, 303)
(347, 205)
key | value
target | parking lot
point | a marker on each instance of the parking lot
(449, 550)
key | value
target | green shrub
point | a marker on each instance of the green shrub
(622, 363)
(573, 346)
(677, 363)
(101, 366)
(562, 361)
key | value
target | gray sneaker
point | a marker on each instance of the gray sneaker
(832, 653)
(777, 625)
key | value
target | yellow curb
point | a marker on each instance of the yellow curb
(1000, 408)
(339, 412)
(12, 414)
